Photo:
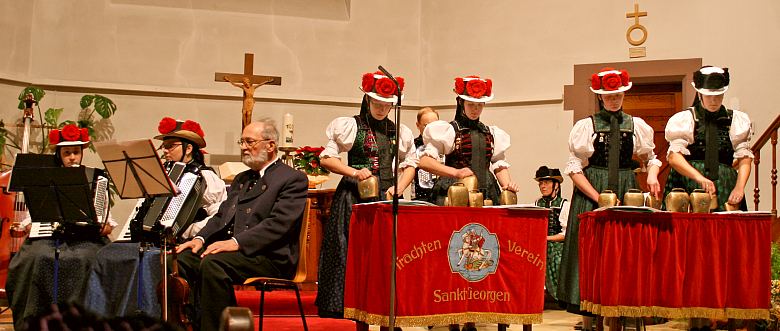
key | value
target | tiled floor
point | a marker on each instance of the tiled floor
(554, 320)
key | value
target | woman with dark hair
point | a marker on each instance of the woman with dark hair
(114, 279)
(367, 138)
(601, 148)
(468, 147)
(183, 141)
(550, 181)
(709, 144)
(31, 284)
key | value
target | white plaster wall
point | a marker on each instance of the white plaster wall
(527, 47)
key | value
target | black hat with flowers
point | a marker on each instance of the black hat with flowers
(190, 130)
(474, 88)
(381, 87)
(69, 135)
(610, 81)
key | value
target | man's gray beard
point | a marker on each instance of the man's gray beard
(254, 162)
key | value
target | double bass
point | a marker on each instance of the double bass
(12, 207)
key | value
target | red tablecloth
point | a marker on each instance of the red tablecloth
(675, 264)
(454, 264)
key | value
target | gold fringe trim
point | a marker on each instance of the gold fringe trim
(690, 312)
(442, 319)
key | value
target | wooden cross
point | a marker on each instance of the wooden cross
(248, 82)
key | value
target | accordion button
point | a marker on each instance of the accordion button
(248, 210)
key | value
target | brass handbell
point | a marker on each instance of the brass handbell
(730, 207)
(470, 182)
(607, 198)
(368, 188)
(677, 200)
(634, 197)
(476, 199)
(652, 201)
(701, 201)
(458, 195)
(508, 198)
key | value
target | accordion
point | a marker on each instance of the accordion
(152, 216)
(81, 230)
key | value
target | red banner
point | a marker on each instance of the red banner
(454, 264)
(675, 265)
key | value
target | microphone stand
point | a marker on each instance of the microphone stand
(395, 196)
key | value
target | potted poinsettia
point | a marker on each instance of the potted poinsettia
(307, 159)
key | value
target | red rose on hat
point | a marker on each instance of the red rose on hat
(194, 127)
(611, 82)
(71, 132)
(84, 134)
(54, 137)
(460, 86)
(368, 82)
(624, 77)
(476, 88)
(385, 87)
(166, 125)
(489, 88)
(401, 82)
(595, 82)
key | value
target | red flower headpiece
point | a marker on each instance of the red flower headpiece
(474, 88)
(70, 134)
(188, 129)
(608, 81)
(381, 87)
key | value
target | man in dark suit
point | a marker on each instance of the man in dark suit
(255, 231)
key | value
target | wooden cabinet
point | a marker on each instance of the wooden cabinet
(319, 211)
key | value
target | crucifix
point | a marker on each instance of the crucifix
(248, 82)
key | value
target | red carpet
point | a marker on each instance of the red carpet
(281, 311)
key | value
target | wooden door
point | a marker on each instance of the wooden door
(654, 103)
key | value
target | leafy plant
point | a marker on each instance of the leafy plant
(99, 128)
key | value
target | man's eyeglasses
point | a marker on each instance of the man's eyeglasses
(168, 146)
(250, 142)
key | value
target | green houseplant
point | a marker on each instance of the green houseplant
(99, 127)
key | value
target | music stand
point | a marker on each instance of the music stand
(135, 169)
(137, 172)
(42, 182)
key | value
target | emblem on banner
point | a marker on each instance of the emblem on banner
(473, 252)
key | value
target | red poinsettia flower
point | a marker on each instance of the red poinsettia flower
(54, 137)
(314, 163)
(71, 132)
(624, 77)
(166, 125)
(611, 82)
(476, 88)
(194, 127)
(84, 134)
(460, 86)
(595, 82)
(368, 82)
(385, 87)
